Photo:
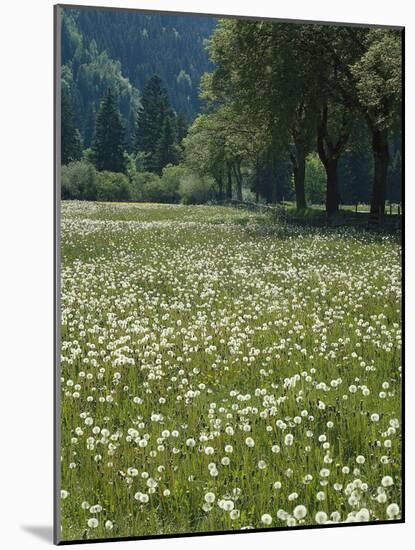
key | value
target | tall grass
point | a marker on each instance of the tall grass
(206, 352)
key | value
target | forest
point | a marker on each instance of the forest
(191, 109)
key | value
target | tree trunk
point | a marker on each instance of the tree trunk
(332, 189)
(238, 177)
(273, 191)
(220, 188)
(229, 184)
(381, 161)
(274, 181)
(329, 152)
(299, 176)
(238, 190)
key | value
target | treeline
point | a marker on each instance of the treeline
(157, 133)
(81, 181)
(310, 113)
(284, 93)
(107, 172)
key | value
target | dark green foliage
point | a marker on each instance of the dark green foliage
(108, 143)
(279, 98)
(305, 87)
(167, 152)
(79, 181)
(355, 175)
(395, 184)
(87, 73)
(156, 128)
(271, 179)
(150, 120)
(182, 127)
(70, 137)
(112, 186)
(172, 46)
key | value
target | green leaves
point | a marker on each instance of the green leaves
(378, 75)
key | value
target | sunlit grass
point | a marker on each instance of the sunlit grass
(207, 351)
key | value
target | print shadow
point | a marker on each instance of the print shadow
(43, 532)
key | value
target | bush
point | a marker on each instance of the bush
(171, 178)
(88, 155)
(196, 189)
(112, 186)
(315, 180)
(79, 181)
(145, 186)
(148, 186)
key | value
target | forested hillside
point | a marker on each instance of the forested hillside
(123, 50)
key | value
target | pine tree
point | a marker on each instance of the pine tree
(70, 137)
(108, 143)
(151, 118)
(182, 127)
(166, 149)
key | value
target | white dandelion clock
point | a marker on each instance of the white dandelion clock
(321, 517)
(300, 512)
(93, 523)
(392, 511)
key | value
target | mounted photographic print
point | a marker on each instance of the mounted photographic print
(229, 205)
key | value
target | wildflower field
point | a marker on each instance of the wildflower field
(222, 372)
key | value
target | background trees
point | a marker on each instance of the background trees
(307, 85)
(259, 69)
(108, 143)
(156, 130)
(280, 107)
(137, 46)
(70, 137)
(378, 85)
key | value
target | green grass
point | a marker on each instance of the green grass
(309, 213)
(213, 324)
(315, 210)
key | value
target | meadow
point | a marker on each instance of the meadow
(222, 372)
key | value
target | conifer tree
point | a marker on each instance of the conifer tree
(181, 127)
(166, 150)
(151, 120)
(70, 136)
(108, 143)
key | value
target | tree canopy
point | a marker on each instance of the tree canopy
(108, 143)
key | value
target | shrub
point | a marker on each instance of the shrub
(196, 189)
(88, 156)
(171, 178)
(148, 186)
(144, 186)
(315, 180)
(112, 186)
(79, 181)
